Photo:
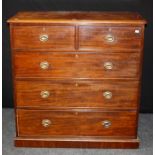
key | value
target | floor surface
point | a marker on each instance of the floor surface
(145, 134)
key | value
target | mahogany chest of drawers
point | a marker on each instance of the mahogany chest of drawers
(77, 78)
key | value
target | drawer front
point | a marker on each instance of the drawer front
(99, 38)
(52, 123)
(95, 65)
(43, 37)
(77, 93)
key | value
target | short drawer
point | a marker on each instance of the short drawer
(69, 65)
(99, 38)
(115, 94)
(43, 37)
(52, 123)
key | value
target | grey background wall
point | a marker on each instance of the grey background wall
(144, 7)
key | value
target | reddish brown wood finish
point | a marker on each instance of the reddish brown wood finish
(94, 38)
(78, 142)
(77, 93)
(78, 17)
(76, 123)
(75, 65)
(76, 50)
(28, 37)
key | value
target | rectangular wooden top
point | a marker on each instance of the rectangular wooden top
(78, 17)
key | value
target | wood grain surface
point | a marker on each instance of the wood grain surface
(75, 17)
(76, 47)
(77, 93)
(59, 37)
(70, 65)
(76, 123)
(94, 38)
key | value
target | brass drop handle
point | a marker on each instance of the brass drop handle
(44, 94)
(107, 94)
(137, 31)
(109, 38)
(106, 123)
(43, 37)
(46, 122)
(108, 65)
(44, 65)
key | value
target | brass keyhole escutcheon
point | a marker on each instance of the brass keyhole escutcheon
(76, 84)
(76, 56)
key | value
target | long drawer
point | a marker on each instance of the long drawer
(77, 93)
(75, 123)
(71, 65)
(43, 37)
(111, 38)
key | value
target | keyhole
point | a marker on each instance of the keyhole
(76, 84)
(76, 56)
